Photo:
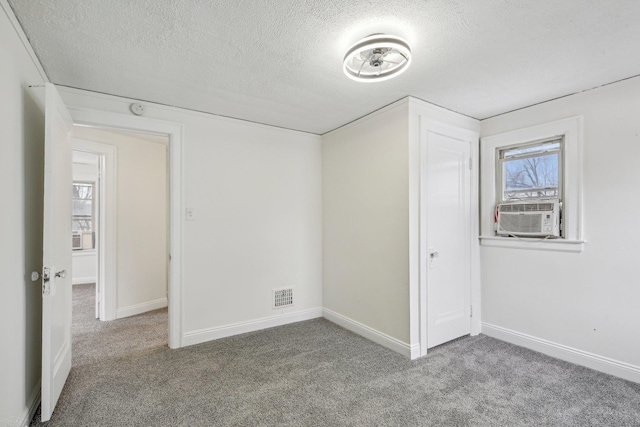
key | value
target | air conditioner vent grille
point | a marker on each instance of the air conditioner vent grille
(526, 207)
(282, 297)
(524, 224)
(529, 219)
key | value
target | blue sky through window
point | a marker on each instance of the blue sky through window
(527, 175)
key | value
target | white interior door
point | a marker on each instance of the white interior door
(96, 233)
(56, 259)
(448, 237)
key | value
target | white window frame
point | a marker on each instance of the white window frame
(501, 180)
(571, 169)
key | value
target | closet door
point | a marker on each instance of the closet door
(448, 238)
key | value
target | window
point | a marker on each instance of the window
(534, 167)
(530, 171)
(83, 216)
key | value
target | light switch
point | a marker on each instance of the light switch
(190, 214)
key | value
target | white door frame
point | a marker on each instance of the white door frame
(429, 125)
(103, 119)
(107, 232)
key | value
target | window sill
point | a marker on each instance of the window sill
(84, 252)
(557, 245)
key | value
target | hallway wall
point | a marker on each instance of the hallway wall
(141, 219)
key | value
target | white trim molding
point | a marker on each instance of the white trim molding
(209, 334)
(83, 280)
(371, 116)
(127, 101)
(175, 132)
(33, 401)
(558, 245)
(427, 126)
(573, 239)
(409, 351)
(566, 353)
(132, 310)
(107, 225)
(24, 39)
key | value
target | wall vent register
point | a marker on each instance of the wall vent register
(282, 297)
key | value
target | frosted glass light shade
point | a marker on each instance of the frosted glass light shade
(376, 58)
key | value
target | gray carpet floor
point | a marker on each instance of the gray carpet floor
(315, 373)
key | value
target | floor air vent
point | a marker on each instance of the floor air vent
(282, 297)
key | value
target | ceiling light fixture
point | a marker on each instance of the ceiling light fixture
(376, 58)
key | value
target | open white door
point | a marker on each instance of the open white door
(56, 258)
(448, 236)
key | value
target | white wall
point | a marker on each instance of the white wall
(141, 220)
(586, 301)
(366, 221)
(256, 194)
(371, 217)
(21, 178)
(84, 265)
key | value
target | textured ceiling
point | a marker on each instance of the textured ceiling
(280, 62)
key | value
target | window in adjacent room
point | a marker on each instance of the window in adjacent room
(83, 219)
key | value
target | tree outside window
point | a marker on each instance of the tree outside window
(531, 172)
(82, 215)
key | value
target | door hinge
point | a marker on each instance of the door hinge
(470, 163)
(46, 285)
(470, 311)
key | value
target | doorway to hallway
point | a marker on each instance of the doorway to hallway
(129, 261)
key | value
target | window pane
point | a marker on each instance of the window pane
(81, 224)
(540, 148)
(82, 216)
(531, 177)
(82, 191)
(82, 207)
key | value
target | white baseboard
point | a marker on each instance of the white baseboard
(409, 351)
(132, 310)
(83, 280)
(33, 402)
(563, 352)
(204, 335)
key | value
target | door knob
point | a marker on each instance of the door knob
(434, 255)
(46, 288)
(45, 275)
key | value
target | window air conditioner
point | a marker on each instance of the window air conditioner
(529, 219)
(77, 241)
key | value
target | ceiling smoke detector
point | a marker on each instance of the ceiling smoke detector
(377, 57)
